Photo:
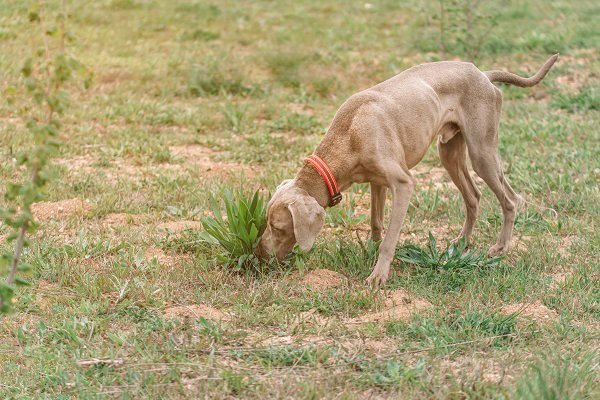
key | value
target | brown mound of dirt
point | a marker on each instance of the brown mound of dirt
(45, 210)
(323, 279)
(531, 312)
(195, 311)
(397, 305)
(178, 226)
(119, 219)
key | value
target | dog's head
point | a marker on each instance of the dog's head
(293, 216)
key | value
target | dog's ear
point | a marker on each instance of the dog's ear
(308, 217)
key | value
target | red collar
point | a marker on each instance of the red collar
(325, 172)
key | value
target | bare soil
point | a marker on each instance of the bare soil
(531, 312)
(45, 211)
(323, 279)
(179, 226)
(195, 311)
(397, 305)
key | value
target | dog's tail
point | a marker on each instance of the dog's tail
(507, 77)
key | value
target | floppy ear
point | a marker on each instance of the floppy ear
(308, 217)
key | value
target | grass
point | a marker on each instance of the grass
(191, 99)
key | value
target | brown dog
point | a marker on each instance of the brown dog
(379, 134)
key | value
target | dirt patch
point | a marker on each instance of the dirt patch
(163, 258)
(120, 219)
(45, 211)
(434, 176)
(195, 311)
(289, 340)
(475, 368)
(323, 279)
(531, 312)
(302, 109)
(573, 81)
(115, 77)
(564, 245)
(179, 226)
(397, 305)
(558, 280)
(354, 345)
(204, 159)
(78, 163)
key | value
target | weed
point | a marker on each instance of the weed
(234, 116)
(285, 67)
(298, 123)
(239, 232)
(392, 373)
(561, 377)
(280, 356)
(588, 98)
(454, 257)
(235, 382)
(345, 215)
(200, 35)
(213, 79)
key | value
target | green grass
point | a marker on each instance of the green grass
(248, 91)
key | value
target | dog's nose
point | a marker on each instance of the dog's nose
(259, 251)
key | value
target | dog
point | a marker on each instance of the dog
(379, 134)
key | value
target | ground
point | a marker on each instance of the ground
(192, 99)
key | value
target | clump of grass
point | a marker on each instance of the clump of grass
(560, 377)
(239, 232)
(454, 256)
(286, 67)
(213, 79)
(200, 35)
(587, 98)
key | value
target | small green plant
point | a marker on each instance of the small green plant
(44, 76)
(280, 356)
(455, 256)
(345, 216)
(588, 98)
(463, 27)
(234, 116)
(239, 232)
(560, 377)
(393, 373)
(299, 123)
(214, 79)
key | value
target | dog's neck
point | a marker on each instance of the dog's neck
(309, 179)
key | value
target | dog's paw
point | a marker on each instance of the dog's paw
(458, 239)
(497, 250)
(377, 279)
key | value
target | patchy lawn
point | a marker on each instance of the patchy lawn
(193, 98)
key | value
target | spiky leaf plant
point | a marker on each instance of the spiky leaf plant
(241, 228)
(455, 256)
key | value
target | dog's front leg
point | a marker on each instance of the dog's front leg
(401, 186)
(377, 210)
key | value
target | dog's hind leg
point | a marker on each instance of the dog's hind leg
(481, 135)
(377, 210)
(453, 155)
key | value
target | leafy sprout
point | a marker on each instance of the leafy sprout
(239, 231)
(454, 256)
